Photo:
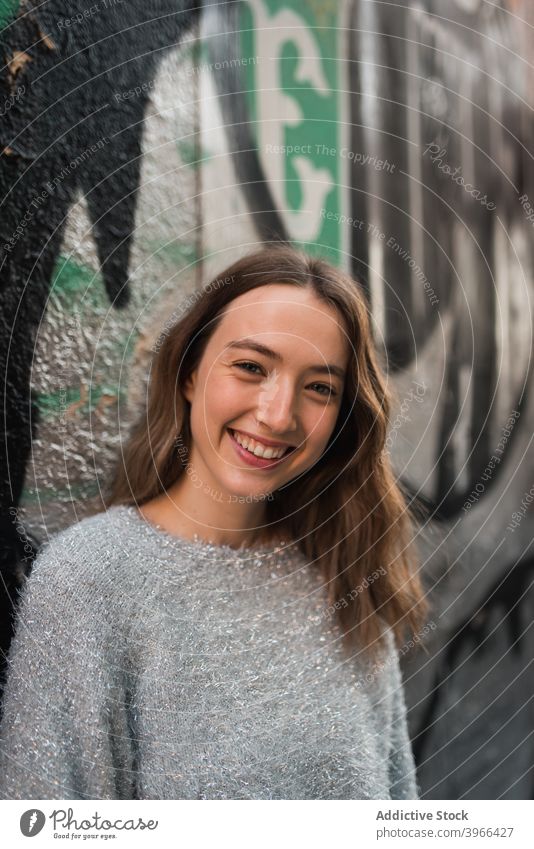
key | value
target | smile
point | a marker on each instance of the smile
(257, 454)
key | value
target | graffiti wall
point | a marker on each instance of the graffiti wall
(145, 146)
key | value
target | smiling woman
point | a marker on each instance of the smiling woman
(256, 424)
(185, 649)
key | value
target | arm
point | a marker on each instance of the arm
(64, 732)
(401, 766)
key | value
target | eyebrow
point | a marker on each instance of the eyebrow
(252, 345)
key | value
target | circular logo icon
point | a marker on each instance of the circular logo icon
(31, 822)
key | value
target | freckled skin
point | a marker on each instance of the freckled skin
(283, 401)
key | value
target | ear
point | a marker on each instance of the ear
(188, 388)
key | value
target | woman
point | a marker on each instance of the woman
(227, 628)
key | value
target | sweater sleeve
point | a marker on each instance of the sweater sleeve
(401, 765)
(65, 728)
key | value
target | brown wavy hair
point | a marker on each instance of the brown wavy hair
(347, 513)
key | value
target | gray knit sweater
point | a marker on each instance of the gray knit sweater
(145, 666)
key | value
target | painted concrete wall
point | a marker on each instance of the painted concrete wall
(146, 146)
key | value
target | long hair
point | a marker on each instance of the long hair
(346, 513)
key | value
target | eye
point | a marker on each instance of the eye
(244, 366)
(327, 391)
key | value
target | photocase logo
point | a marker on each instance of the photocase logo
(32, 822)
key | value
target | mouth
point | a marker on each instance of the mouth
(255, 460)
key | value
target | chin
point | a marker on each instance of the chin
(245, 495)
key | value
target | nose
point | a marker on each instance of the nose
(276, 406)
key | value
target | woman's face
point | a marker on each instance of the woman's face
(288, 397)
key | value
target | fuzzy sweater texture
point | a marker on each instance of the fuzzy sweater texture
(146, 666)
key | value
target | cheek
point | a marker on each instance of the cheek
(219, 409)
(228, 399)
(319, 427)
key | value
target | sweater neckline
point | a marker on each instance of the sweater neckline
(155, 533)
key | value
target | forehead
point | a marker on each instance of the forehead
(289, 315)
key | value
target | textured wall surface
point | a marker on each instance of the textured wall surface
(146, 146)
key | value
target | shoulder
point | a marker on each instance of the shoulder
(390, 656)
(94, 531)
(86, 564)
(382, 668)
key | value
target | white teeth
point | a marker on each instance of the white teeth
(257, 448)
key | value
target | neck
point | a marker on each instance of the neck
(187, 510)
